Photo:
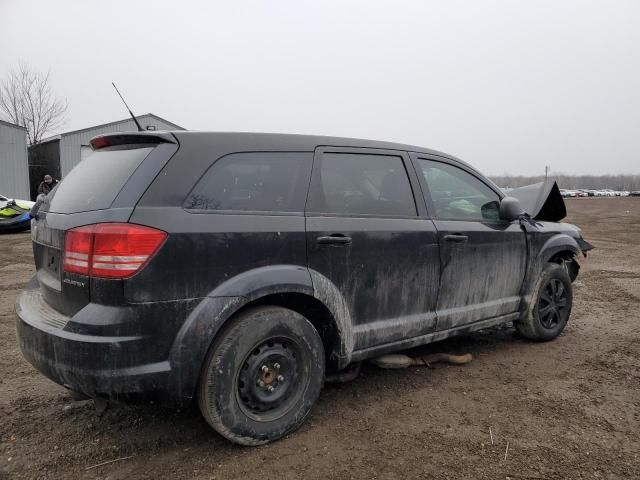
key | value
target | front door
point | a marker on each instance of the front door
(483, 258)
(367, 235)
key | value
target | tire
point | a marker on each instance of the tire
(550, 306)
(246, 403)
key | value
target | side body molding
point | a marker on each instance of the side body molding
(262, 281)
(556, 244)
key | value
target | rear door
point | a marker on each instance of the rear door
(483, 258)
(369, 237)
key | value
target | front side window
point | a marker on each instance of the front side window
(361, 184)
(456, 194)
(255, 181)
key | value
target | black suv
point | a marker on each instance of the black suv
(236, 268)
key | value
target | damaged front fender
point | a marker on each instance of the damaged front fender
(584, 245)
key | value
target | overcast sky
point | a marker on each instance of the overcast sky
(509, 86)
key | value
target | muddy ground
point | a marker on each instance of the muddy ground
(569, 409)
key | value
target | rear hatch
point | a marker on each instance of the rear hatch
(103, 188)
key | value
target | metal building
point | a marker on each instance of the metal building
(14, 171)
(57, 155)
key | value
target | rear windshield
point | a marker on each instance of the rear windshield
(95, 182)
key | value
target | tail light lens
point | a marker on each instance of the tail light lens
(77, 250)
(110, 250)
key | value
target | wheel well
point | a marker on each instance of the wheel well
(563, 256)
(312, 309)
(567, 259)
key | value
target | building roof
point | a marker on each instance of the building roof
(9, 124)
(128, 119)
(47, 140)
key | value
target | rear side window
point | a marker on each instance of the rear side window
(95, 182)
(361, 184)
(256, 181)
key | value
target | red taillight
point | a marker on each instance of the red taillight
(110, 250)
(78, 244)
(99, 142)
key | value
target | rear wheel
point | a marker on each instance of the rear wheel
(550, 305)
(262, 375)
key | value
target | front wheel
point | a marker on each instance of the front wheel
(262, 375)
(550, 306)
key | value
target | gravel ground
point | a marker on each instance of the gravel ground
(568, 409)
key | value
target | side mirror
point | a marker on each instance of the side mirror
(510, 209)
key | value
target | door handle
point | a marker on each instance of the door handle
(334, 239)
(456, 238)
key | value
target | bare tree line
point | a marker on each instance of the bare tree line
(26, 100)
(590, 182)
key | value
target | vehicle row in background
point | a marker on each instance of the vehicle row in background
(606, 192)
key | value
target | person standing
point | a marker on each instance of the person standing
(46, 185)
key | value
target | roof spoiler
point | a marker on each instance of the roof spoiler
(132, 138)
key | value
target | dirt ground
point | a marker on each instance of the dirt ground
(568, 409)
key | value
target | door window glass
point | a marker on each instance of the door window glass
(361, 184)
(457, 194)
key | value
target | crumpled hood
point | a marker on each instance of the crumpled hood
(542, 201)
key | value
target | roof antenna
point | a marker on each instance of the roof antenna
(140, 129)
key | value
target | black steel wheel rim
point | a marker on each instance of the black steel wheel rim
(272, 378)
(552, 304)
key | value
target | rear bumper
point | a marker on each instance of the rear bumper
(131, 366)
